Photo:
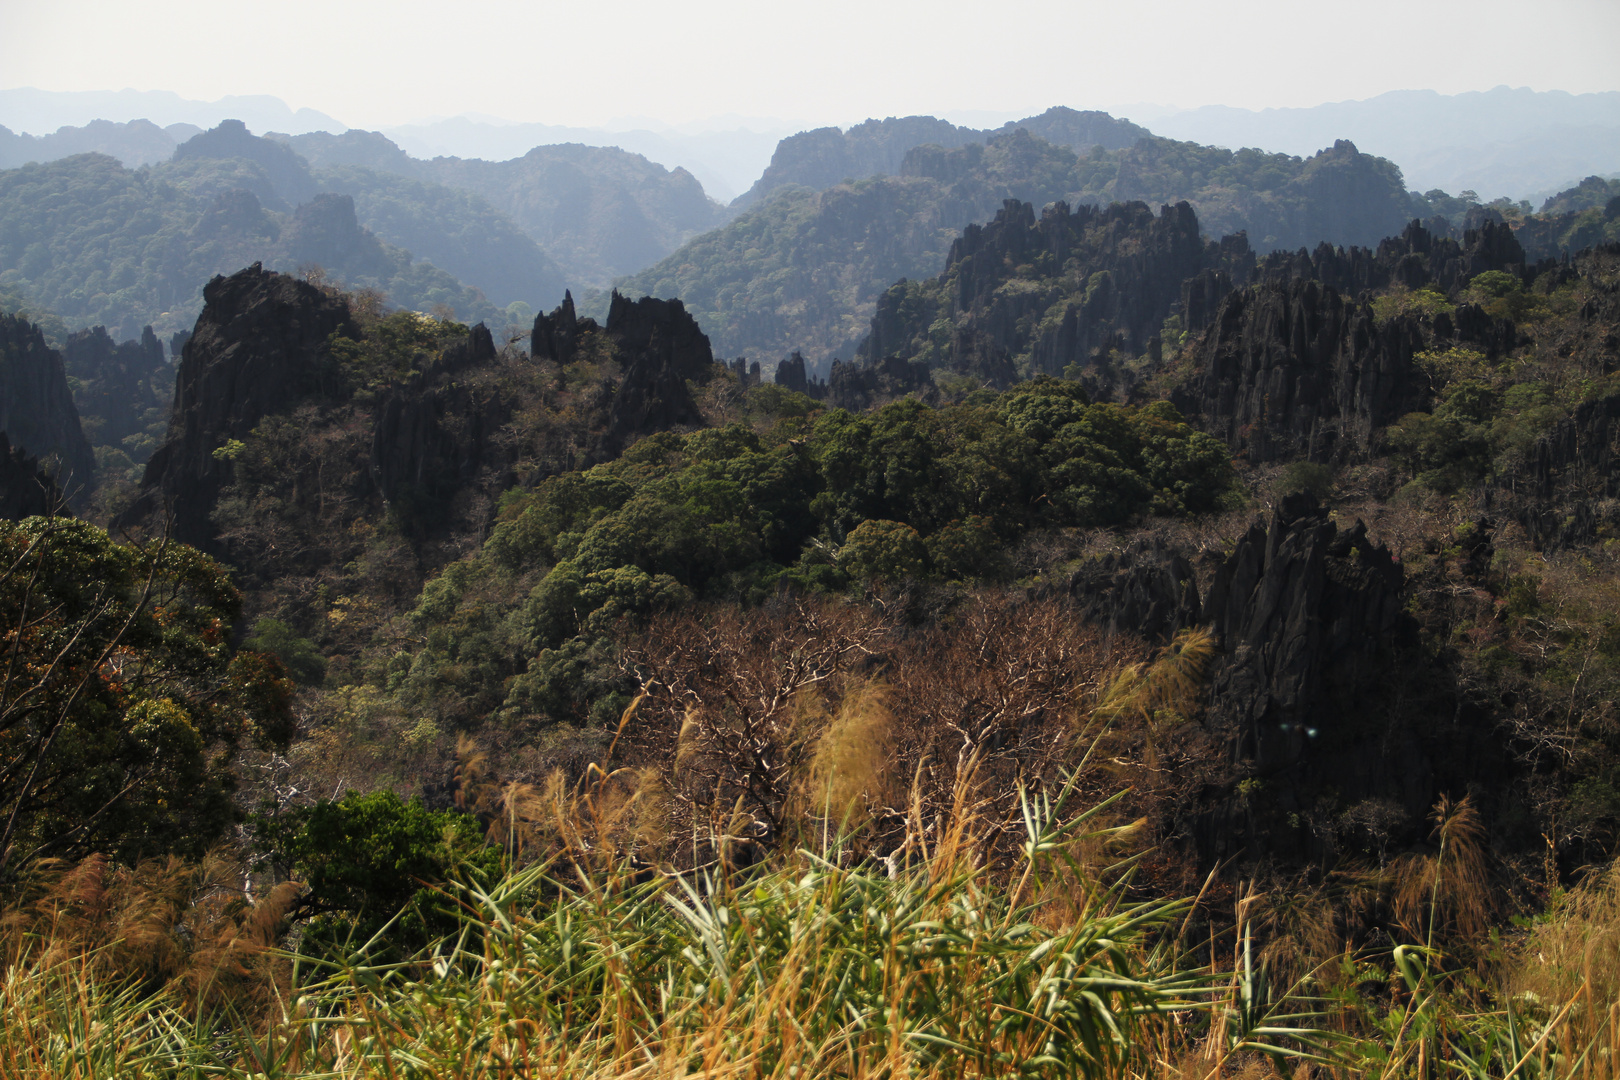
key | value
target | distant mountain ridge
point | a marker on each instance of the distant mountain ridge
(600, 212)
(823, 157)
(95, 243)
(725, 160)
(40, 111)
(136, 143)
(1505, 141)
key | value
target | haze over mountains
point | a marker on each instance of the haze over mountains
(43, 111)
(1507, 141)
(1515, 142)
(795, 261)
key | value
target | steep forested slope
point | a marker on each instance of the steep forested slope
(1315, 607)
(1582, 216)
(454, 229)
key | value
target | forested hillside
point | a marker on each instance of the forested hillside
(804, 270)
(1295, 560)
(824, 157)
(94, 243)
(1452, 395)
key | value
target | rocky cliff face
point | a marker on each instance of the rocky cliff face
(793, 374)
(1294, 369)
(433, 436)
(36, 406)
(259, 347)
(1302, 610)
(1415, 258)
(1148, 589)
(660, 347)
(1304, 701)
(1024, 295)
(118, 383)
(861, 385)
(26, 490)
(555, 337)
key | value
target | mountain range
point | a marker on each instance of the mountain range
(1507, 141)
(796, 262)
(1521, 143)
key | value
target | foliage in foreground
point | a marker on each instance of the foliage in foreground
(821, 966)
(122, 704)
(813, 969)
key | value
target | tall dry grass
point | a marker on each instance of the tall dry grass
(123, 971)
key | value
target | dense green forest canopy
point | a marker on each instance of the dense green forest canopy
(822, 500)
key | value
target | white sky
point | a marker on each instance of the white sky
(371, 63)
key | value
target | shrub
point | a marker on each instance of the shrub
(300, 655)
(885, 551)
(368, 858)
(1308, 476)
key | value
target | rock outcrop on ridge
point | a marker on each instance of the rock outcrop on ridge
(26, 490)
(660, 347)
(259, 347)
(37, 412)
(432, 436)
(118, 383)
(555, 337)
(1314, 643)
(1025, 295)
(1295, 369)
(1415, 258)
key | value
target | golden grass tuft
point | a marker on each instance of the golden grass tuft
(850, 771)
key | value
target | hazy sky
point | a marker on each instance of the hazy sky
(371, 63)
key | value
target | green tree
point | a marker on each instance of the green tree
(884, 550)
(122, 704)
(303, 659)
(368, 858)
